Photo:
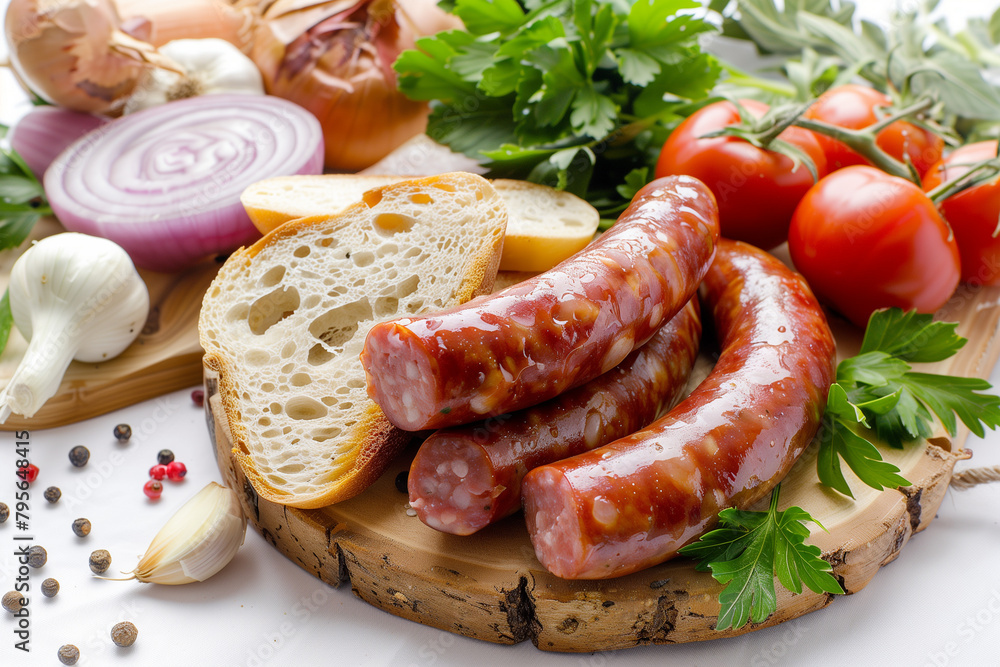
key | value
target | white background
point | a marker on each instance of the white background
(937, 604)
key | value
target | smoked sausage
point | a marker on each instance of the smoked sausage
(558, 330)
(467, 477)
(635, 502)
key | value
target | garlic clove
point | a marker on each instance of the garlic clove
(198, 540)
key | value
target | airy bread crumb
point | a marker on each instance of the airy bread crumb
(284, 322)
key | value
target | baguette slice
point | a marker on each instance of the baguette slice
(545, 225)
(284, 322)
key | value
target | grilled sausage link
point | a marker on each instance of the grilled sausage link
(635, 502)
(467, 477)
(558, 330)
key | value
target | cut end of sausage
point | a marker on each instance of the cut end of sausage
(553, 523)
(400, 377)
(452, 486)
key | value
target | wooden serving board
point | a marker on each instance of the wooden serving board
(490, 586)
(165, 357)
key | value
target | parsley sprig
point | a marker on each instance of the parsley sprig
(877, 393)
(22, 199)
(567, 93)
(748, 549)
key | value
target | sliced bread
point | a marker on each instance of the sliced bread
(284, 322)
(544, 227)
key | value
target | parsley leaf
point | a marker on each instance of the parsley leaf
(635, 180)
(947, 396)
(22, 199)
(749, 549)
(878, 393)
(911, 336)
(481, 16)
(528, 80)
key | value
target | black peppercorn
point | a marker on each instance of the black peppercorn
(12, 601)
(123, 432)
(37, 556)
(81, 527)
(50, 587)
(124, 634)
(53, 494)
(401, 481)
(165, 457)
(68, 654)
(100, 561)
(79, 456)
(4, 512)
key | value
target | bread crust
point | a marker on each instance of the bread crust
(374, 441)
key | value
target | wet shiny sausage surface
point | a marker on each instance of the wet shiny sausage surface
(635, 502)
(464, 478)
(556, 331)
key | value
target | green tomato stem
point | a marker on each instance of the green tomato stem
(922, 104)
(772, 133)
(861, 142)
(977, 174)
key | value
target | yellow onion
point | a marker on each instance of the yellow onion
(335, 59)
(74, 54)
(162, 21)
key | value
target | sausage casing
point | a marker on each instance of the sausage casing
(635, 502)
(553, 332)
(466, 477)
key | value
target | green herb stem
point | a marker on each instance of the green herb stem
(738, 77)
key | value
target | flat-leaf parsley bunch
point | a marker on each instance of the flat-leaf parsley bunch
(575, 94)
(877, 397)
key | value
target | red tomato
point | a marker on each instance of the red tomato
(973, 214)
(866, 240)
(757, 190)
(853, 106)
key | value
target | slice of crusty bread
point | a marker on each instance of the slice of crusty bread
(544, 226)
(284, 322)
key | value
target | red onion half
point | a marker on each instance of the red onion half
(45, 132)
(165, 183)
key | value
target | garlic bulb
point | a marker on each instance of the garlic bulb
(197, 541)
(210, 65)
(74, 53)
(72, 296)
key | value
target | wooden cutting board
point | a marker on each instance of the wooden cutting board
(490, 586)
(165, 357)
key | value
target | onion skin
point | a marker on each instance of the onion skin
(165, 183)
(45, 132)
(343, 75)
(168, 20)
(73, 54)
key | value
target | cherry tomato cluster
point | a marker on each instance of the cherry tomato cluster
(166, 466)
(863, 238)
